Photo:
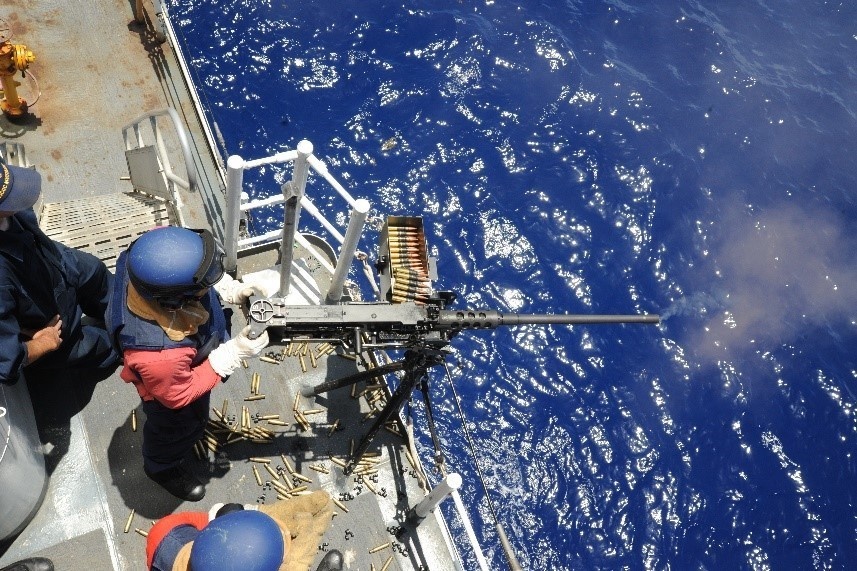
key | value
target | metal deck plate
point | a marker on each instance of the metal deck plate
(105, 225)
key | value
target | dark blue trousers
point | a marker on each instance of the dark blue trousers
(169, 434)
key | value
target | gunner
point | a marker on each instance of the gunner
(165, 316)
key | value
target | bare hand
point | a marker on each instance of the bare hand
(46, 340)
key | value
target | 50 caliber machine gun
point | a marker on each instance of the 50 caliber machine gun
(423, 329)
(414, 317)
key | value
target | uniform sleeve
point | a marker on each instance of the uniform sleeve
(166, 524)
(13, 352)
(169, 377)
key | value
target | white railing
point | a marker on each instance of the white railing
(174, 185)
(294, 198)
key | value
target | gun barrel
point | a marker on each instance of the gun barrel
(489, 319)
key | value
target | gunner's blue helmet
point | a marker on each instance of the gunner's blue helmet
(246, 540)
(173, 265)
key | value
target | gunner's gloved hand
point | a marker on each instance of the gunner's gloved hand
(227, 357)
(266, 282)
(231, 290)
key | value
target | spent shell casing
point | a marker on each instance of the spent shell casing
(271, 471)
(301, 477)
(340, 505)
(134, 420)
(312, 360)
(319, 468)
(259, 460)
(303, 364)
(141, 532)
(287, 464)
(370, 486)
(333, 427)
(265, 359)
(256, 475)
(380, 547)
(130, 519)
(254, 397)
(387, 563)
(297, 401)
(269, 417)
(276, 422)
(280, 487)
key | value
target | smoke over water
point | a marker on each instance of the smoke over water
(781, 273)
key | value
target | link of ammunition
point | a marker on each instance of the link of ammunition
(130, 519)
(380, 547)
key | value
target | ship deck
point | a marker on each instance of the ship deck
(98, 70)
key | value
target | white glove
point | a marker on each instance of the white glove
(227, 357)
(231, 290)
(266, 282)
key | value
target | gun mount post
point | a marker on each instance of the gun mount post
(349, 246)
(293, 192)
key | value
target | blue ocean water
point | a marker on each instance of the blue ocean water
(693, 159)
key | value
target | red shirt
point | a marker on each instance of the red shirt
(167, 375)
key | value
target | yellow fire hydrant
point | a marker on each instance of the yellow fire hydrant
(13, 58)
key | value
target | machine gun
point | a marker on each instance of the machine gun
(414, 317)
(423, 329)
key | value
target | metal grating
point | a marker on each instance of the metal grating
(104, 225)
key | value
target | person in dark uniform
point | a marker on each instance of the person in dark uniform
(45, 289)
(166, 318)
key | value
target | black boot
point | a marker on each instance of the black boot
(333, 561)
(179, 482)
(31, 564)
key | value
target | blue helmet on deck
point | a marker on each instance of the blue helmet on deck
(172, 265)
(246, 540)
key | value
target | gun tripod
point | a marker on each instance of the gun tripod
(415, 365)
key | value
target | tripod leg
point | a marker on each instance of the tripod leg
(397, 400)
(355, 378)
